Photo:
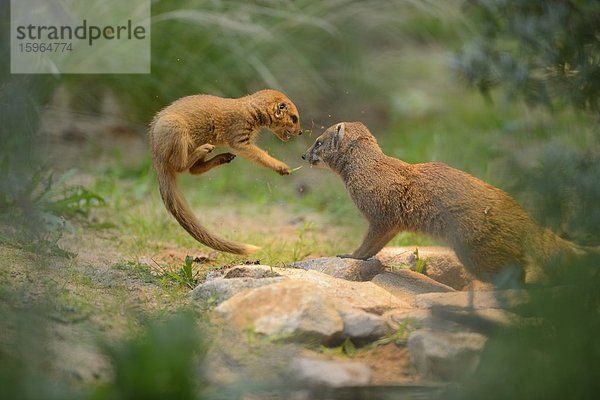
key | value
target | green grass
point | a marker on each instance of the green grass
(186, 275)
(399, 336)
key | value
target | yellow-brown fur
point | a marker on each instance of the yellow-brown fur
(185, 132)
(487, 229)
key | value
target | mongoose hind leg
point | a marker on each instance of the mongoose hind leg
(202, 166)
(374, 241)
(198, 155)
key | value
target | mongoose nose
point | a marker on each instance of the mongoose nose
(300, 132)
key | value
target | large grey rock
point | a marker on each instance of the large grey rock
(256, 271)
(472, 299)
(288, 310)
(441, 265)
(346, 294)
(485, 320)
(325, 373)
(217, 290)
(362, 325)
(301, 305)
(365, 296)
(445, 355)
(405, 284)
(343, 268)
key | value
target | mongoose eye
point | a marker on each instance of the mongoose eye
(282, 106)
(318, 143)
(294, 119)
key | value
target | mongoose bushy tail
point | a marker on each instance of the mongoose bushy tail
(178, 207)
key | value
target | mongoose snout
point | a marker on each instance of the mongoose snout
(486, 228)
(312, 154)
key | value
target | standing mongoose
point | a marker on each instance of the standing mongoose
(486, 228)
(185, 132)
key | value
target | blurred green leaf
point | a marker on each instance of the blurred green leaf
(546, 52)
(160, 363)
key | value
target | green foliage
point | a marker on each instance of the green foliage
(546, 51)
(32, 203)
(400, 336)
(58, 199)
(557, 354)
(301, 249)
(222, 48)
(191, 278)
(313, 50)
(160, 363)
(419, 262)
(561, 189)
(185, 275)
(38, 213)
(346, 349)
(349, 348)
(24, 355)
(20, 97)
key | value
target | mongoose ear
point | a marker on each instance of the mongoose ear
(339, 135)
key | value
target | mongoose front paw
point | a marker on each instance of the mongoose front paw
(207, 147)
(283, 169)
(226, 158)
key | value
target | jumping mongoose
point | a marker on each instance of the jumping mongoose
(485, 227)
(185, 132)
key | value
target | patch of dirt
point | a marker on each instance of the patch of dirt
(177, 256)
(173, 258)
(390, 364)
(94, 297)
